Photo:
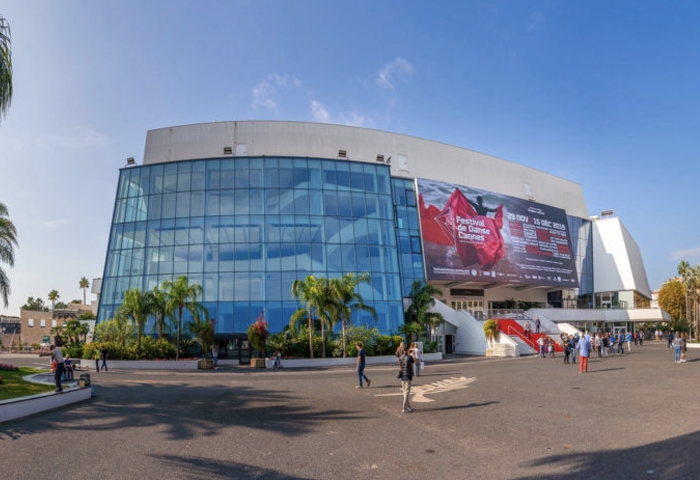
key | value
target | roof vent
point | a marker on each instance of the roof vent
(228, 151)
(342, 153)
(607, 213)
(380, 158)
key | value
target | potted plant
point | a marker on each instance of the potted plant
(204, 331)
(492, 332)
(257, 336)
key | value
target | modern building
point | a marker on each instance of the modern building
(246, 208)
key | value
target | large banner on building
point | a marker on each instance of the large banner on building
(473, 235)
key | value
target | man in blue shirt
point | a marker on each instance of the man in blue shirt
(584, 348)
(361, 359)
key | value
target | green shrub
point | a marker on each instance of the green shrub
(430, 347)
(74, 352)
(387, 344)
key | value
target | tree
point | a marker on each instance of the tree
(74, 330)
(308, 292)
(119, 330)
(691, 278)
(8, 231)
(347, 300)
(159, 304)
(35, 305)
(491, 331)
(61, 305)
(136, 307)
(203, 329)
(421, 301)
(84, 284)
(53, 296)
(183, 296)
(5, 69)
(672, 299)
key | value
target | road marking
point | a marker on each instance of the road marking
(419, 392)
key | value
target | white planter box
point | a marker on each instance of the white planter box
(349, 361)
(151, 365)
(22, 407)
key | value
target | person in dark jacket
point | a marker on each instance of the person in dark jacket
(406, 376)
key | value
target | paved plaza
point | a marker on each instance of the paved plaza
(631, 417)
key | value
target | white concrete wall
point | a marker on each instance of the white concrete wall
(617, 260)
(151, 365)
(347, 362)
(425, 158)
(558, 315)
(470, 338)
(25, 406)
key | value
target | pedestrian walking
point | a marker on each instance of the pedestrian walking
(584, 349)
(406, 376)
(684, 347)
(361, 360)
(96, 358)
(537, 325)
(567, 350)
(677, 348)
(103, 355)
(541, 342)
(215, 355)
(57, 357)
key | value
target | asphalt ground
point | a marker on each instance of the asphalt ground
(634, 416)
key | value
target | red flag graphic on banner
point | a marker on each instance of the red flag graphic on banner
(477, 238)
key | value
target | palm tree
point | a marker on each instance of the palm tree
(137, 307)
(183, 296)
(418, 311)
(682, 272)
(53, 296)
(691, 278)
(5, 68)
(84, 284)
(306, 291)
(347, 300)
(159, 303)
(8, 239)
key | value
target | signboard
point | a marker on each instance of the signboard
(473, 235)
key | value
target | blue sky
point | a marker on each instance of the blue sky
(602, 93)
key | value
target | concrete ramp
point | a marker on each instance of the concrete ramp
(470, 338)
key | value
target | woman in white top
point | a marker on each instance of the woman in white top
(417, 356)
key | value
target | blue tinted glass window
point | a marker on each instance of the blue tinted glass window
(227, 173)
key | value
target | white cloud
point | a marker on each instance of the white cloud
(686, 253)
(320, 113)
(265, 92)
(399, 69)
(81, 137)
(536, 19)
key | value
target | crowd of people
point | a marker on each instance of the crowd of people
(606, 344)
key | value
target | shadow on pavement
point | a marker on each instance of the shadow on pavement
(207, 468)
(457, 407)
(184, 412)
(668, 459)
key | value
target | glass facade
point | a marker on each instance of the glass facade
(582, 249)
(408, 233)
(246, 228)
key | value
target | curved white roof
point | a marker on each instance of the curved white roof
(411, 157)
